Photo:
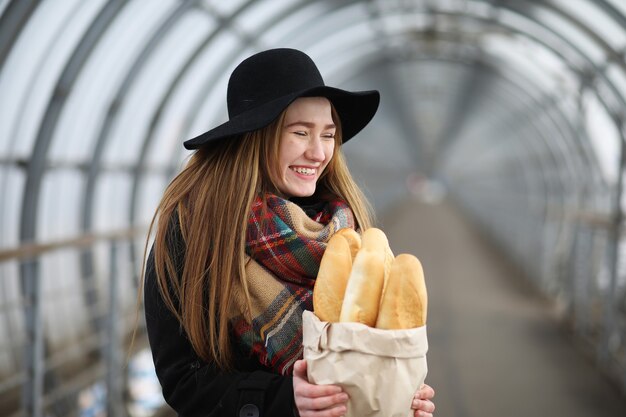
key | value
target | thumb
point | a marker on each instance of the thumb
(299, 369)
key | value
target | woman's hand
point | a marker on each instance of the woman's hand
(421, 402)
(317, 400)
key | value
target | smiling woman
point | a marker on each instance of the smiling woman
(307, 144)
(239, 240)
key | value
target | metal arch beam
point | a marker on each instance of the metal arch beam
(140, 165)
(519, 10)
(35, 170)
(612, 54)
(522, 32)
(515, 30)
(209, 83)
(610, 10)
(469, 63)
(492, 69)
(548, 46)
(616, 57)
(37, 166)
(283, 17)
(617, 213)
(112, 115)
(536, 183)
(205, 88)
(408, 122)
(526, 34)
(561, 235)
(139, 168)
(474, 82)
(523, 89)
(564, 236)
(561, 125)
(365, 63)
(537, 148)
(156, 114)
(592, 66)
(521, 84)
(347, 3)
(12, 21)
(498, 223)
(536, 105)
(534, 148)
(95, 166)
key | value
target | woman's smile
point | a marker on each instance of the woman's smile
(307, 144)
(304, 171)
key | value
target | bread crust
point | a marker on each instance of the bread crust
(365, 286)
(367, 279)
(371, 287)
(374, 239)
(353, 238)
(332, 279)
(404, 303)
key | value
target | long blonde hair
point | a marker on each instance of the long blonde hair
(211, 198)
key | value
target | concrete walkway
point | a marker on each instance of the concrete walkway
(496, 349)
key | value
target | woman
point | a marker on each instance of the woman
(240, 234)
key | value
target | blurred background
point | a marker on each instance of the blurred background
(497, 157)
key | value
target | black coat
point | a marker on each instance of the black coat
(194, 388)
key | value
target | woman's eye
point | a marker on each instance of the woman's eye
(300, 133)
(329, 135)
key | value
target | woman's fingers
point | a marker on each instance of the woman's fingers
(311, 391)
(321, 403)
(316, 400)
(423, 405)
(299, 369)
(425, 393)
(421, 402)
(320, 397)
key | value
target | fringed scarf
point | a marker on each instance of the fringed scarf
(285, 247)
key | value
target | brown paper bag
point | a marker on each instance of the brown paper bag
(379, 369)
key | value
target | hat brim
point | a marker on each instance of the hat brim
(355, 108)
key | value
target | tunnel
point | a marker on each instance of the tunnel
(496, 157)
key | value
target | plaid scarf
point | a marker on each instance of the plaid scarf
(285, 247)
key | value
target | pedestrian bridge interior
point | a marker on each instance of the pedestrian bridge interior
(497, 158)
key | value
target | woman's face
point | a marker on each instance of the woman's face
(307, 143)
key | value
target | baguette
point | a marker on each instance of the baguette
(404, 303)
(388, 262)
(332, 278)
(374, 239)
(353, 238)
(365, 285)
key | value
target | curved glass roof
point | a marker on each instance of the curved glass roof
(516, 108)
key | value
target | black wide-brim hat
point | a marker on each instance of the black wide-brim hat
(263, 85)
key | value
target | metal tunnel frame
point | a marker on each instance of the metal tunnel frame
(515, 153)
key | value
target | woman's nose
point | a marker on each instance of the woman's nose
(315, 152)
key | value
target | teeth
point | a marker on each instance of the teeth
(304, 171)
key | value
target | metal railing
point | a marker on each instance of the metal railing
(574, 256)
(48, 377)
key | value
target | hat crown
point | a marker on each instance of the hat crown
(270, 75)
